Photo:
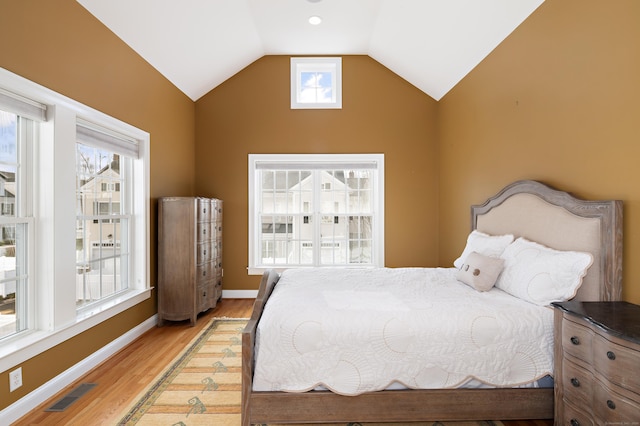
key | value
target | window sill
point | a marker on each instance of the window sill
(20, 348)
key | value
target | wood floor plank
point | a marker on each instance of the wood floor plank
(121, 378)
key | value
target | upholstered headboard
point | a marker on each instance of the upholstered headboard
(558, 220)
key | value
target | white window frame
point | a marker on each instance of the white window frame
(300, 160)
(54, 317)
(332, 65)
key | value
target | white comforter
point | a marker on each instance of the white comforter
(361, 330)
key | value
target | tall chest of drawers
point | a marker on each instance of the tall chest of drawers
(597, 363)
(189, 257)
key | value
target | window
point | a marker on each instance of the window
(74, 241)
(104, 212)
(17, 134)
(315, 210)
(316, 83)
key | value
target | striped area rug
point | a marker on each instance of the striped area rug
(202, 386)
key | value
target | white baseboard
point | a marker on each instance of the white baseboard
(67, 377)
(239, 294)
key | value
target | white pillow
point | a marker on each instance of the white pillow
(480, 272)
(542, 275)
(487, 245)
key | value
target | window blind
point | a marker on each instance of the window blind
(99, 137)
(24, 107)
(313, 165)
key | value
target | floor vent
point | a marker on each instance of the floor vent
(71, 397)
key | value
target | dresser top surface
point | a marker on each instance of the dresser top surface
(621, 319)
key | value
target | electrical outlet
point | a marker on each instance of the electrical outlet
(15, 379)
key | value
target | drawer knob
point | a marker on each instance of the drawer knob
(611, 355)
(574, 422)
(575, 340)
(611, 404)
(575, 382)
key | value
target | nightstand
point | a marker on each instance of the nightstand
(597, 363)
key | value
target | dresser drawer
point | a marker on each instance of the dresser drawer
(574, 416)
(577, 340)
(578, 383)
(616, 363)
(203, 210)
(204, 253)
(204, 272)
(610, 406)
(204, 231)
(203, 300)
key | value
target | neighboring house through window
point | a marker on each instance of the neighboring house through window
(315, 210)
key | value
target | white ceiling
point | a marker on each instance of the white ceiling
(198, 44)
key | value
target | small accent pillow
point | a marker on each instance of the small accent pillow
(541, 275)
(487, 245)
(480, 272)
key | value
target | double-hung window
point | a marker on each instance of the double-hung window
(104, 211)
(19, 121)
(315, 210)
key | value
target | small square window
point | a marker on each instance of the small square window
(316, 83)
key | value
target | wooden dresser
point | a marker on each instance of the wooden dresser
(597, 363)
(189, 257)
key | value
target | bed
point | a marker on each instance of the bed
(528, 210)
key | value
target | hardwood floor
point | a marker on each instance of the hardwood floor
(125, 375)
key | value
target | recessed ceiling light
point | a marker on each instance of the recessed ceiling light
(314, 1)
(315, 20)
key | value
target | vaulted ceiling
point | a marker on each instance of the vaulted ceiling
(198, 44)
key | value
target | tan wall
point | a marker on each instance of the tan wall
(59, 45)
(250, 113)
(557, 102)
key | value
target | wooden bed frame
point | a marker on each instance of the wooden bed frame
(524, 208)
